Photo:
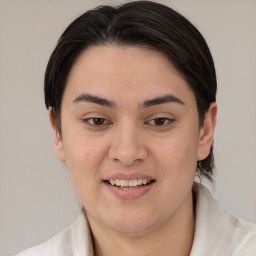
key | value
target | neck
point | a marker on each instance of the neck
(172, 238)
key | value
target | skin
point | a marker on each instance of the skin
(131, 138)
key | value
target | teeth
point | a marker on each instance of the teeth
(124, 183)
(144, 182)
(128, 183)
(133, 183)
(117, 182)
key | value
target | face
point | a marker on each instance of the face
(130, 137)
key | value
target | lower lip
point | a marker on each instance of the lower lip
(129, 193)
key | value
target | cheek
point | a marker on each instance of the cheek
(80, 145)
(178, 153)
(83, 159)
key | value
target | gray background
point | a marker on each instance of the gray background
(36, 198)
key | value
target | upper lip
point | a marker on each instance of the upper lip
(128, 176)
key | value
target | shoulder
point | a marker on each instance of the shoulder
(54, 246)
(75, 238)
(219, 231)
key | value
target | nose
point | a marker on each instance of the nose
(128, 147)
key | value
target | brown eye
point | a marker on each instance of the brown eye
(161, 121)
(98, 121)
(95, 121)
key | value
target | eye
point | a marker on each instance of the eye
(96, 121)
(160, 121)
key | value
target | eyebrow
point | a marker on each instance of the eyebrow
(169, 98)
(94, 99)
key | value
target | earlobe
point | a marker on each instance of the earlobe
(206, 132)
(58, 143)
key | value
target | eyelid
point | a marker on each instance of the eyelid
(99, 126)
(166, 119)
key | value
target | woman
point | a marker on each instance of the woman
(131, 93)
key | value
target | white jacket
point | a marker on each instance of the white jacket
(217, 233)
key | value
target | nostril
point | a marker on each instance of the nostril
(128, 156)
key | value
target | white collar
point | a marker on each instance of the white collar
(217, 232)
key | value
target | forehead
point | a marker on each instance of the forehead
(134, 72)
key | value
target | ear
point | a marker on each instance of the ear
(58, 143)
(206, 132)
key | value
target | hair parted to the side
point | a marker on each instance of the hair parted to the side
(139, 23)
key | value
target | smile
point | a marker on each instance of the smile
(129, 188)
(129, 184)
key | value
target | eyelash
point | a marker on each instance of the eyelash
(164, 122)
(90, 122)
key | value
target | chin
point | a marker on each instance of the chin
(128, 228)
(132, 222)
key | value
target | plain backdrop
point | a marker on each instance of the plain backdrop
(36, 198)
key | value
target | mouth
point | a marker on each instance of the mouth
(129, 184)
